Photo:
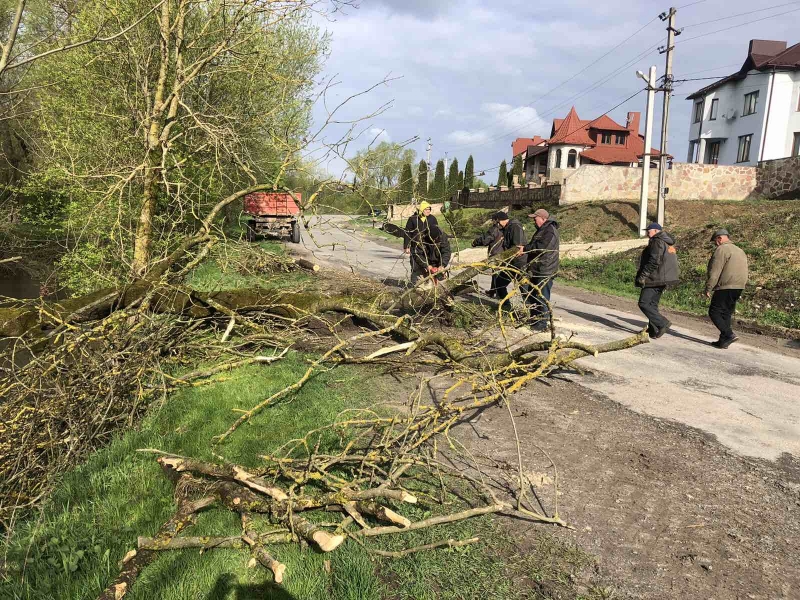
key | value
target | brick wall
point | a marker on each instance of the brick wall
(685, 182)
(779, 178)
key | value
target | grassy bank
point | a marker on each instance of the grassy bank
(72, 549)
(768, 231)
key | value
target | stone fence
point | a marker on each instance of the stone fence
(685, 182)
(779, 178)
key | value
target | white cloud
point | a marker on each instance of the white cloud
(523, 118)
(379, 135)
(467, 138)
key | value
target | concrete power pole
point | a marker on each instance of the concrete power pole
(662, 168)
(428, 180)
(648, 144)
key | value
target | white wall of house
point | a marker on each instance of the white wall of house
(565, 149)
(784, 118)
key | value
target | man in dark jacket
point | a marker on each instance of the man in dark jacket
(658, 268)
(513, 237)
(415, 234)
(431, 256)
(493, 238)
(543, 263)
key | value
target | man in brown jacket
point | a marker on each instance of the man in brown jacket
(727, 276)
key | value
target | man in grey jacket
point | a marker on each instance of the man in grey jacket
(658, 268)
(727, 277)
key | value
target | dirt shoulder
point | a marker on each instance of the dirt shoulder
(666, 510)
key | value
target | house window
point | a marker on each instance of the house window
(714, 109)
(698, 111)
(796, 144)
(572, 159)
(620, 139)
(712, 153)
(605, 138)
(558, 158)
(744, 148)
(750, 102)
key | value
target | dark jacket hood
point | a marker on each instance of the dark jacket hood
(663, 235)
(551, 222)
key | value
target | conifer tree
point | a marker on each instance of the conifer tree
(502, 176)
(469, 172)
(438, 188)
(406, 185)
(422, 180)
(452, 179)
(517, 169)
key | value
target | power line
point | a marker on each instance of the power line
(690, 4)
(739, 15)
(697, 37)
(585, 125)
(569, 100)
(563, 83)
(714, 68)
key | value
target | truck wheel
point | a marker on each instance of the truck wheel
(295, 232)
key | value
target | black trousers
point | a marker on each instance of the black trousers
(538, 302)
(648, 304)
(721, 309)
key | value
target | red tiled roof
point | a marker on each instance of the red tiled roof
(606, 123)
(571, 131)
(762, 55)
(606, 155)
(520, 145)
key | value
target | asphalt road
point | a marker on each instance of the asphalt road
(746, 396)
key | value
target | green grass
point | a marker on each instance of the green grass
(100, 508)
(242, 265)
(72, 548)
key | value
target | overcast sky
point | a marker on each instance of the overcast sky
(473, 75)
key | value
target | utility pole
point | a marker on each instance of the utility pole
(662, 165)
(648, 144)
(428, 179)
(446, 164)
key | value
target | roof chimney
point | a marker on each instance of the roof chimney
(766, 47)
(634, 120)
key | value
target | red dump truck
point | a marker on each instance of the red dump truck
(274, 213)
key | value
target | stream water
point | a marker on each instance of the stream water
(18, 285)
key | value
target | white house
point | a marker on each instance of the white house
(752, 115)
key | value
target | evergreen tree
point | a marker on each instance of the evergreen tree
(422, 180)
(439, 185)
(460, 181)
(406, 185)
(517, 169)
(469, 172)
(452, 179)
(502, 176)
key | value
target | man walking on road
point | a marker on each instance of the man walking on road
(658, 268)
(727, 277)
(543, 262)
(513, 237)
